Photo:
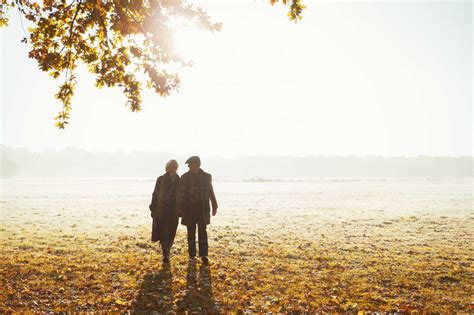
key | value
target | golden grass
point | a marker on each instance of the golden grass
(402, 264)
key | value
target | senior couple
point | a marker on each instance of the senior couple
(187, 197)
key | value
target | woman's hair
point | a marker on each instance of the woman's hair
(171, 162)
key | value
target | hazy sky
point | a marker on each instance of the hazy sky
(352, 78)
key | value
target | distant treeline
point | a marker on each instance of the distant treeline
(74, 162)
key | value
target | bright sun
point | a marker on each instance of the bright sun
(190, 41)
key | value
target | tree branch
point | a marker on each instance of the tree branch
(68, 43)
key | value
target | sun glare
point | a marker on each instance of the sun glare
(187, 39)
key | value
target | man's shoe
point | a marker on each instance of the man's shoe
(166, 260)
(205, 260)
(192, 257)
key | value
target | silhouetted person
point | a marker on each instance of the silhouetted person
(163, 209)
(194, 195)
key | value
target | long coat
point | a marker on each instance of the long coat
(207, 196)
(163, 207)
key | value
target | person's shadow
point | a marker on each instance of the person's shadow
(156, 292)
(198, 297)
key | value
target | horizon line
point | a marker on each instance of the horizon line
(128, 151)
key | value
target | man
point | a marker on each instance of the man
(195, 193)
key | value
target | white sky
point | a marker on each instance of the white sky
(352, 78)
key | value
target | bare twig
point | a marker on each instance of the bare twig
(21, 22)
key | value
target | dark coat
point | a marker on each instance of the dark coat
(207, 195)
(163, 207)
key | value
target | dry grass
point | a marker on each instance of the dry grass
(83, 258)
(345, 270)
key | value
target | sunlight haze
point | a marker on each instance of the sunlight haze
(317, 167)
(351, 78)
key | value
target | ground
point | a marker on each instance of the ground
(301, 261)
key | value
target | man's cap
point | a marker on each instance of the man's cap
(194, 160)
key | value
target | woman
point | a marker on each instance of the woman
(163, 209)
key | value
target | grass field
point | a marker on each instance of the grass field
(279, 249)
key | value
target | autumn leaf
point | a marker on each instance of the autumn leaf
(116, 40)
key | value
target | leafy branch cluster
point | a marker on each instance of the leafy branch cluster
(296, 8)
(116, 39)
